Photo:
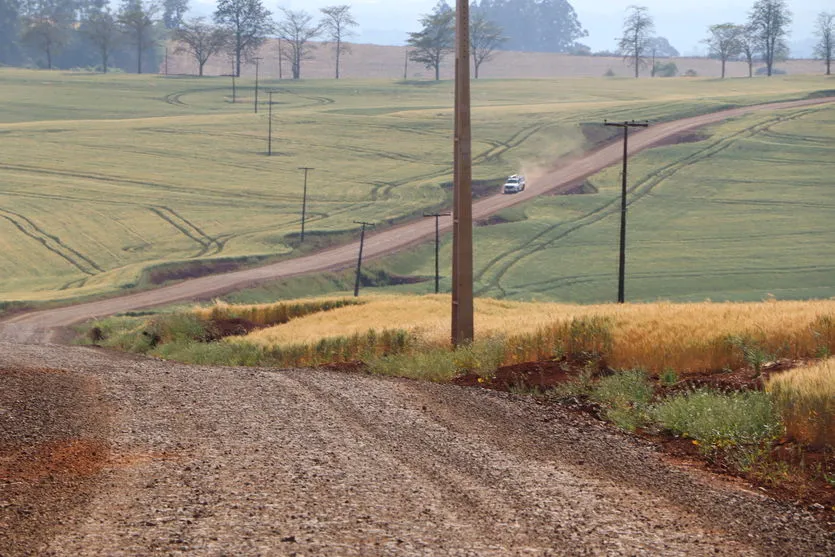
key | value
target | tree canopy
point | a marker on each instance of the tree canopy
(534, 25)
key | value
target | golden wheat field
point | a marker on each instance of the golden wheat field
(656, 336)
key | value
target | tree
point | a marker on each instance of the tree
(769, 21)
(200, 40)
(637, 32)
(9, 28)
(725, 42)
(748, 48)
(534, 25)
(173, 13)
(247, 22)
(825, 31)
(46, 26)
(660, 47)
(337, 25)
(102, 29)
(435, 41)
(136, 18)
(485, 38)
(297, 29)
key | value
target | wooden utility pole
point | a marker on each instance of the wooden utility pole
(280, 58)
(462, 226)
(304, 200)
(257, 60)
(270, 126)
(359, 259)
(437, 217)
(622, 264)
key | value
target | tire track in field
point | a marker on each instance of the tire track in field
(637, 192)
(51, 242)
(317, 101)
(209, 245)
(539, 287)
(222, 195)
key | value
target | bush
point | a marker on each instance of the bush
(668, 69)
(625, 397)
(774, 71)
(718, 420)
(609, 73)
(691, 73)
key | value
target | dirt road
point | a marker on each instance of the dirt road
(172, 459)
(33, 327)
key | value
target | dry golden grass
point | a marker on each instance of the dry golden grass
(806, 399)
(685, 337)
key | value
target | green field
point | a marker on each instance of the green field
(104, 177)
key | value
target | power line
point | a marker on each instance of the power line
(622, 263)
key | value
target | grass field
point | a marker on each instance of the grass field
(741, 214)
(104, 177)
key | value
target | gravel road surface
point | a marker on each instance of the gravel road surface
(222, 461)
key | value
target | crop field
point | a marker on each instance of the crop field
(105, 177)
(739, 212)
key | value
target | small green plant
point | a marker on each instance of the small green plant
(752, 352)
(625, 397)
(580, 386)
(718, 420)
(668, 377)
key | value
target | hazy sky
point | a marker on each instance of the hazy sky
(684, 23)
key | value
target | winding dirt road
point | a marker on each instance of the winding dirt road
(111, 454)
(38, 326)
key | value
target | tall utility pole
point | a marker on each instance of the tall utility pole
(304, 199)
(270, 125)
(359, 259)
(462, 225)
(437, 217)
(622, 266)
(257, 60)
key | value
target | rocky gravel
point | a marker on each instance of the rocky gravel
(224, 461)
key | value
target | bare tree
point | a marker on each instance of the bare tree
(637, 32)
(102, 29)
(337, 24)
(435, 41)
(724, 42)
(748, 48)
(200, 40)
(45, 26)
(247, 22)
(136, 19)
(485, 39)
(825, 31)
(769, 22)
(297, 29)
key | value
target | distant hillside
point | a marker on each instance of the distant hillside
(368, 61)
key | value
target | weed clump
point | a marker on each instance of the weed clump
(720, 420)
(805, 398)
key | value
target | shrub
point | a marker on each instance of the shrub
(609, 73)
(668, 69)
(625, 397)
(718, 420)
(805, 398)
(691, 73)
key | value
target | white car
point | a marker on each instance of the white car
(514, 184)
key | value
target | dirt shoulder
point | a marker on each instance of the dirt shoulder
(246, 461)
(39, 326)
